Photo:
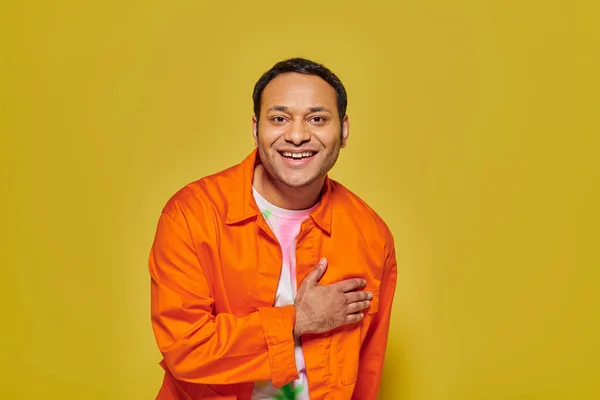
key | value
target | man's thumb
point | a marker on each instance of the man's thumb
(317, 273)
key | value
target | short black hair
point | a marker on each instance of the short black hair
(301, 66)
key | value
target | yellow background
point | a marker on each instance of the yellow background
(474, 133)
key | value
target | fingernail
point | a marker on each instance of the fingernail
(369, 295)
(364, 282)
(368, 303)
(322, 261)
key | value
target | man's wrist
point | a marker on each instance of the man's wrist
(296, 331)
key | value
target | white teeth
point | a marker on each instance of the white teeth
(297, 155)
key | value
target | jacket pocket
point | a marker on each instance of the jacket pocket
(349, 340)
(210, 392)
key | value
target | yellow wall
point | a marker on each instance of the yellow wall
(474, 133)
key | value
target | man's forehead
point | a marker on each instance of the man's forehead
(293, 81)
(295, 87)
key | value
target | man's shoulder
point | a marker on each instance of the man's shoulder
(358, 210)
(206, 193)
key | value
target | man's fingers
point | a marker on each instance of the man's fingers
(352, 318)
(317, 273)
(353, 297)
(358, 306)
(350, 284)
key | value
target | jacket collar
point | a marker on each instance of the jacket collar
(244, 207)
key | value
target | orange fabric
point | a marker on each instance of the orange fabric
(215, 268)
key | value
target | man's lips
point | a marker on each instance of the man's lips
(296, 159)
(297, 155)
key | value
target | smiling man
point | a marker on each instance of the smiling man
(270, 277)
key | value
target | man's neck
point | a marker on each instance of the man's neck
(283, 196)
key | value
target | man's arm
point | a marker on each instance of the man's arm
(198, 346)
(372, 352)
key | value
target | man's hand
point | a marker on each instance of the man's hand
(323, 308)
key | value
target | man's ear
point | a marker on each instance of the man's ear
(255, 130)
(345, 130)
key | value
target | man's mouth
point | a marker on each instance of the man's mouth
(297, 156)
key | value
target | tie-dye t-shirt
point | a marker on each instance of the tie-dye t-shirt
(285, 224)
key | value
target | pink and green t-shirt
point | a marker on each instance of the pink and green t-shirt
(285, 225)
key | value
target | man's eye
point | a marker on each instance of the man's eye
(318, 120)
(279, 120)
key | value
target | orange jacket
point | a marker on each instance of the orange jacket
(215, 268)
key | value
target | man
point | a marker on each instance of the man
(271, 275)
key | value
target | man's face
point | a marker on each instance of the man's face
(298, 133)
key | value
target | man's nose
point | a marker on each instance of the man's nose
(297, 133)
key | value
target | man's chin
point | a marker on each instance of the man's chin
(298, 183)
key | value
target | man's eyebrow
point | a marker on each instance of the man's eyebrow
(311, 109)
(319, 108)
(278, 108)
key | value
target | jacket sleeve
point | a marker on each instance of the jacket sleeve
(372, 352)
(199, 346)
